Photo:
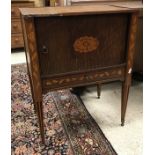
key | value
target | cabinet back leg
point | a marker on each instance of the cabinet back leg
(98, 90)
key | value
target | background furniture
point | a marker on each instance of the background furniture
(54, 2)
(16, 29)
(99, 48)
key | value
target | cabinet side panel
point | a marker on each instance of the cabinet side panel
(32, 58)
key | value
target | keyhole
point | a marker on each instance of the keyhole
(44, 49)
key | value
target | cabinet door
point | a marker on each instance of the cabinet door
(77, 43)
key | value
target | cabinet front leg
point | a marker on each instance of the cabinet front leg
(40, 119)
(130, 57)
(125, 93)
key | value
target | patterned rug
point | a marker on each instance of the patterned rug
(69, 128)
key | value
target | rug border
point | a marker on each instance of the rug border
(98, 128)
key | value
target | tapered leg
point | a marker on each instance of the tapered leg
(40, 119)
(98, 90)
(129, 64)
(34, 69)
(125, 93)
(31, 86)
(35, 106)
(39, 110)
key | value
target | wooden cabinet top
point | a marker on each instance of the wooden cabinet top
(77, 10)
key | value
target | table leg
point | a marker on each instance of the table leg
(130, 53)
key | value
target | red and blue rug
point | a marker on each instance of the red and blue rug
(69, 128)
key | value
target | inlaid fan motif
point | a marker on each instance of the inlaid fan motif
(86, 44)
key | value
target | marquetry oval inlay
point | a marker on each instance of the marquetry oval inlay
(86, 44)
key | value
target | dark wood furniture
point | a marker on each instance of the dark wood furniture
(74, 46)
(16, 29)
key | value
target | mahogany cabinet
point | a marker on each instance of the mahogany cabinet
(76, 46)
